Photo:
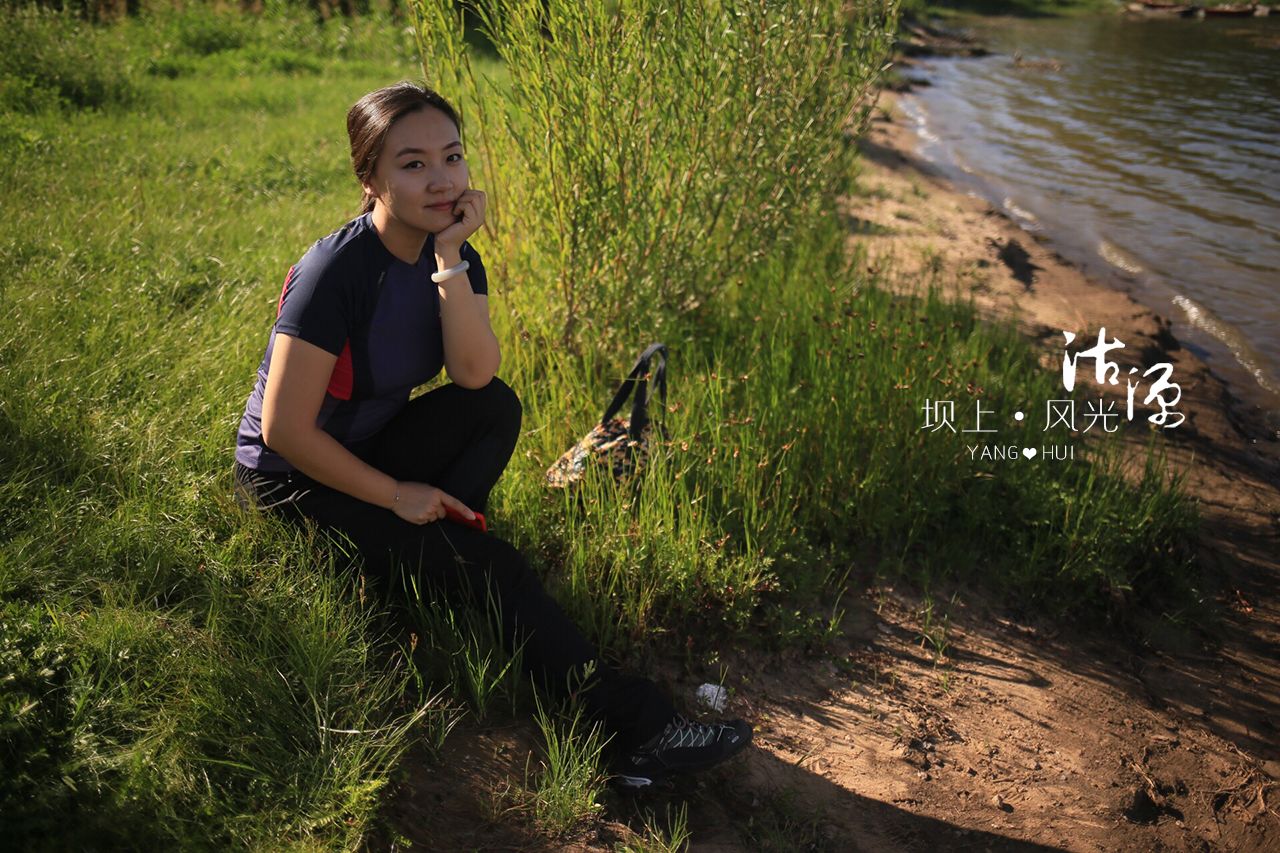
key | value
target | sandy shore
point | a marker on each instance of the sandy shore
(915, 221)
(910, 220)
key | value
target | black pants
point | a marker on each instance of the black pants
(460, 440)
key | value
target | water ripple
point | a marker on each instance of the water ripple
(1157, 144)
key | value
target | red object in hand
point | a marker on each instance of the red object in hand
(478, 522)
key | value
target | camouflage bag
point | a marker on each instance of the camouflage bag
(621, 443)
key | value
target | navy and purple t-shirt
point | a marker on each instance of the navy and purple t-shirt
(380, 316)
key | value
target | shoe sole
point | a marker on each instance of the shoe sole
(632, 783)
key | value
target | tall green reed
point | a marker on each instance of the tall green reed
(643, 155)
(670, 171)
(643, 162)
(796, 454)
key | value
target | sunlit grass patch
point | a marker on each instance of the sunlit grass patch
(669, 835)
(462, 646)
(564, 791)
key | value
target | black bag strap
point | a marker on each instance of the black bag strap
(637, 381)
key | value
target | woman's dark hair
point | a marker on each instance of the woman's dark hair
(372, 116)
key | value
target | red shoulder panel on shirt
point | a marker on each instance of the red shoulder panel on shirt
(341, 379)
(284, 290)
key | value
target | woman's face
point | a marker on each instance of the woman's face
(421, 171)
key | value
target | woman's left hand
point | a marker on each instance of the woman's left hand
(470, 206)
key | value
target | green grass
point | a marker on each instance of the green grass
(657, 839)
(565, 790)
(182, 674)
(464, 648)
(171, 690)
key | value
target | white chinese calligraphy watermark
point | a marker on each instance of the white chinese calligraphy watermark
(1098, 413)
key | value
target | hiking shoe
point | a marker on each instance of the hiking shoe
(683, 747)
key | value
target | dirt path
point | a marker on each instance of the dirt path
(994, 735)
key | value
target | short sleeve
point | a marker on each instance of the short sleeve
(314, 306)
(475, 273)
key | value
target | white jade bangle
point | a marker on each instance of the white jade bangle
(445, 275)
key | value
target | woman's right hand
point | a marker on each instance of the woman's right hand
(423, 504)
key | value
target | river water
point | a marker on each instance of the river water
(1148, 152)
